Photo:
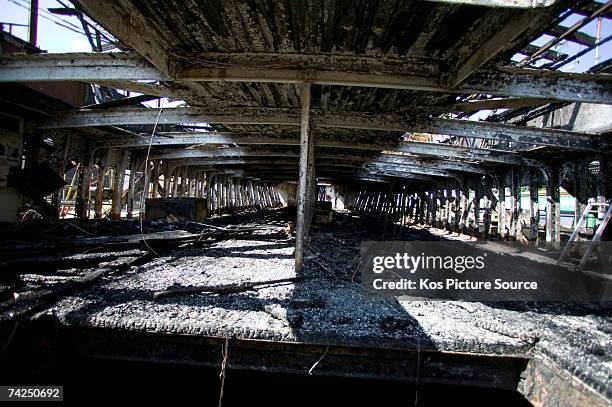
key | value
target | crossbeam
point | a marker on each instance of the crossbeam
(76, 67)
(411, 74)
(336, 119)
(409, 147)
(215, 138)
(326, 160)
(421, 173)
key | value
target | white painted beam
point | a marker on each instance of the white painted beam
(123, 69)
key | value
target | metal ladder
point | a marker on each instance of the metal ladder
(592, 207)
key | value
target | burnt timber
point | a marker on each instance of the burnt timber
(259, 113)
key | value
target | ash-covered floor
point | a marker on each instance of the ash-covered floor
(327, 307)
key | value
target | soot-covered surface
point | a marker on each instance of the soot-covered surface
(331, 309)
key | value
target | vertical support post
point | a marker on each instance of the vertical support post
(155, 178)
(304, 187)
(488, 202)
(516, 204)
(166, 181)
(175, 183)
(456, 208)
(534, 210)
(553, 233)
(118, 185)
(146, 180)
(477, 196)
(100, 183)
(81, 208)
(131, 187)
(501, 210)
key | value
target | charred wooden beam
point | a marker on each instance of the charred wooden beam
(497, 103)
(123, 69)
(306, 178)
(499, 33)
(418, 148)
(126, 101)
(575, 36)
(502, 3)
(337, 119)
(132, 28)
(522, 82)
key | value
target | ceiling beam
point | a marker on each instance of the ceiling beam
(76, 67)
(214, 138)
(121, 70)
(335, 119)
(131, 28)
(89, 118)
(417, 173)
(502, 3)
(408, 147)
(576, 37)
(122, 102)
(499, 32)
(410, 74)
(393, 161)
(536, 83)
(497, 103)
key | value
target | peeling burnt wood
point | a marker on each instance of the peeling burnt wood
(131, 28)
(549, 54)
(546, 384)
(384, 158)
(117, 200)
(553, 208)
(338, 165)
(157, 89)
(411, 147)
(81, 207)
(465, 128)
(305, 179)
(228, 288)
(575, 37)
(502, 3)
(121, 70)
(102, 170)
(498, 103)
(214, 138)
(337, 119)
(390, 154)
(88, 118)
(132, 186)
(279, 175)
(76, 67)
(123, 102)
(534, 212)
(498, 33)
(578, 87)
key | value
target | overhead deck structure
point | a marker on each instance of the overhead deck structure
(373, 74)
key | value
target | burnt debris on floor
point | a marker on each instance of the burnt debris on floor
(234, 277)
